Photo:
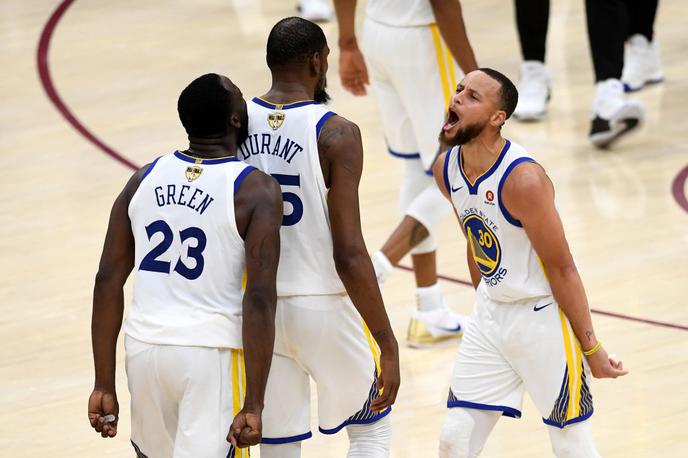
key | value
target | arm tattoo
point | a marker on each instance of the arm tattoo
(588, 334)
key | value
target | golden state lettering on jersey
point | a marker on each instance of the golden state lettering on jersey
(183, 195)
(486, 250)
(273, 145)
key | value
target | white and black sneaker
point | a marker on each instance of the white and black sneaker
(612, 114)
(315, 10)
(533, 91)
(642, 65)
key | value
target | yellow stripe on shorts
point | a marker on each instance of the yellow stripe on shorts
(238, 388)
(441, 63)
(374, 349)
(571, 364)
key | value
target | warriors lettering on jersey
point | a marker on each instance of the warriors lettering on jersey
(278, 145)
(172, 194)
(484, 243)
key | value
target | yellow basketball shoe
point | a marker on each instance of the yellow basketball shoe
(433, 327)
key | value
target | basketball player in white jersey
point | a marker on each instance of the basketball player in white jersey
(531, 328)
(413, 74)
(192, 224)
(326, 287)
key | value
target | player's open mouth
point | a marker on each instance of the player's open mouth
(452, 120)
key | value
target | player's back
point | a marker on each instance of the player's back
(400, 13)
(283, 142)
(189, 256)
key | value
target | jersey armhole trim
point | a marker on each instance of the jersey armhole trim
(322, 122)
(150, 169)
(240, 178)
(446, 171)
(502, 180)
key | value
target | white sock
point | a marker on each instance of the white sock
(429, 297)
(288, 450)
(382, 267)
(371, 440)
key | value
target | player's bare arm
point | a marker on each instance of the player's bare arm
(116, 263)
(258, 209)
(341, 157)
(528, 195)
(438, 173)
(453, 30)
(352, 67)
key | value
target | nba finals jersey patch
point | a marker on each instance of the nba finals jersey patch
(275, 120)
(485, 248)
(193, 172)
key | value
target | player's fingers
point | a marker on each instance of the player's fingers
(232, 438)
(382, 402)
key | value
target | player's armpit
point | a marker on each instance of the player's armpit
(258, 205)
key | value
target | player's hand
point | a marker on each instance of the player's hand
(353, 71)
(246, 429)
(602, 366)
(101, 404)
(388, 380)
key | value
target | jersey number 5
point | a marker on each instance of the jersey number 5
(295, 201)
(152, 264)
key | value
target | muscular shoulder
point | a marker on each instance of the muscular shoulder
(258, 186)
(338, 133)
(527, 188)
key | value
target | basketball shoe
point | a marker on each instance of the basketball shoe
(428, 328)
(641, 64)
(315, 10)
(612, 114)
(533, 91)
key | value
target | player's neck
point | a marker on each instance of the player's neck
(212, 147)
(287, 90)
(481, 153)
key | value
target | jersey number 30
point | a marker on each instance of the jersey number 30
(152, 264)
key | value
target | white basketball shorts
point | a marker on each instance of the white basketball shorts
(413, 75)
(325, 338)
(183, 399)
(510, 348)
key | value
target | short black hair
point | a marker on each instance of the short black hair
(204, 106)
(292, 41)
(508, 94)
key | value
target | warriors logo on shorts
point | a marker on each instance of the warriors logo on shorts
(484, 245)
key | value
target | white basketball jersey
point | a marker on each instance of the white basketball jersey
(401, 13)
(189, 255)
(283, 142)
(510, 268)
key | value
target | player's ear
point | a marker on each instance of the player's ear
(498, 118)
(315, 63)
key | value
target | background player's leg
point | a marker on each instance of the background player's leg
(371, 440)
(290, 450)
(573, 441)
(613, 115)
(532, 20)
(465, 432)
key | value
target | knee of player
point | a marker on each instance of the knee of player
(455, 436)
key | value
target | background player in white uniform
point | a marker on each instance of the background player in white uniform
(531, 323)
(413, 74)
(191, 223)
(325, 278)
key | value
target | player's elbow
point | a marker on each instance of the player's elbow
(348, 261)
(260, 301)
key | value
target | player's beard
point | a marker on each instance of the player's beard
(463, 136)
(321, 95)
